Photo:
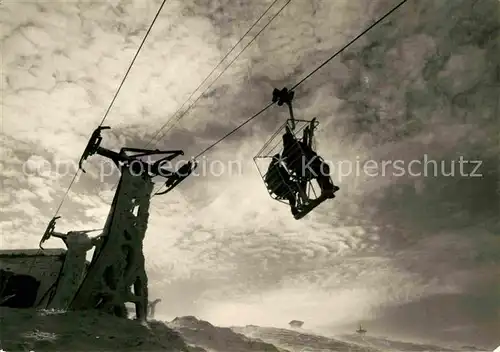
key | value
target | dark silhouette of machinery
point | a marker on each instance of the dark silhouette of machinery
(116, 273)
(293, 163)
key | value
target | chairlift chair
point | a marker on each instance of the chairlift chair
(301, 185)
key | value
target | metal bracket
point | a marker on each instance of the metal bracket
(308, 133)
(92, 145)
(49, 231)
(145, 152)
(178, 176)
(156, 166)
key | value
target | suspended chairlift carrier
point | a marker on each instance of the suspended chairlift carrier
(294, 184)
(116, 273)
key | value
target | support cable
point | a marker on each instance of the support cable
(208, 76)
(306, 77)
(114, 97)
(106, 115)
(227, 67)
(213, 70)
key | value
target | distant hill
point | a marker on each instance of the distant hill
(217, 339)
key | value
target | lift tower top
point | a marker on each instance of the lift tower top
(117, 274)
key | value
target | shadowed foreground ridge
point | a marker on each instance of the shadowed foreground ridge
(31, 330)
(28, 329)
(424, 83)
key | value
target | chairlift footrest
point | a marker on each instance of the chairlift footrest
(307, 208)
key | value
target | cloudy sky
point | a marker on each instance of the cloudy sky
(410, 256)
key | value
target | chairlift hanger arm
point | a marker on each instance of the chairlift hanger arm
(308, 134)
(305, 137)
(284, 96)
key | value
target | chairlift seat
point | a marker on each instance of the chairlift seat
(302, 187)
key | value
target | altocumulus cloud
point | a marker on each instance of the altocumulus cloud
(218, 246)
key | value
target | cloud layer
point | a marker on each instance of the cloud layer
(423, 82)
